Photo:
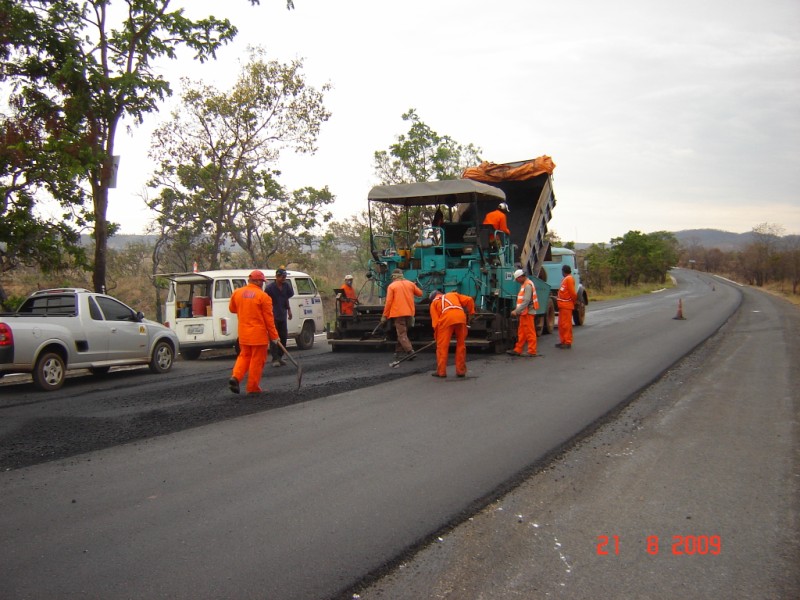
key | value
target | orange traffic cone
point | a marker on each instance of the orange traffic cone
(679, 316)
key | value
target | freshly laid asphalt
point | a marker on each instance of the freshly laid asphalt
(303, 501)
(693, 491)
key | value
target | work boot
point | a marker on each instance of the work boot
(276, 363)
(233, 385)
(564, 346)
(283, 362)
(513, 353)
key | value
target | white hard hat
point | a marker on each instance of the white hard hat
(504, 207)
(346, 277)
(518, 273)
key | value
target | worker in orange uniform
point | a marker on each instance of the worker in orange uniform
(256, 332)
(566, 298)
(527, 305)
(450, 314)
(348, 301)
(497, 220)
(401, 308)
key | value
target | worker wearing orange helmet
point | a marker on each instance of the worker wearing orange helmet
(566, 298)
(450, 315)
(527, 305)
(256, 331)
(497, 220)
(401, 308)
(349, 298)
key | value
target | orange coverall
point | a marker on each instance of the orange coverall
(347, 303)
(497, 219)
(256, 331)
(400, 307)
(449, 316)
(566, 298)
(526, 309)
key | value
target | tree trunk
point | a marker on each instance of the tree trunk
(100, 194)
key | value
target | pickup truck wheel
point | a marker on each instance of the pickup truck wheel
(191, 353)
(163, 357)
(49, 372)
(306, 338)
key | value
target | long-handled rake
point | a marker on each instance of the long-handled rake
(395, 364)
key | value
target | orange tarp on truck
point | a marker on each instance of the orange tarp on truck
(518, 171)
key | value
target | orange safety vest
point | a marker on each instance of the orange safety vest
(567, 296)
(463, 305)
(400, 299)
(347, 303)
(254, 309)
(534, 297)
(497, 219)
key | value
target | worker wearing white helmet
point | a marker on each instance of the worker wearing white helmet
(349, 299)
(497, 221)
(527, 305)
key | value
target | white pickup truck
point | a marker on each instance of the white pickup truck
(71, 328)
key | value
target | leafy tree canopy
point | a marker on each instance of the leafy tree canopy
(215, 176)
(421, 154)
(77, 68)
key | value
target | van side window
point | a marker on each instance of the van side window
(237, 283)
(305, 286)
(222, 288)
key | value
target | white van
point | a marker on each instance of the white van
(197, 309)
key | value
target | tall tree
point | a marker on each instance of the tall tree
(215, 157)
(77, 68)
(421, 154)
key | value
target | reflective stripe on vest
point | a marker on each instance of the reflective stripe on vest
(449, 304)
(521, 294)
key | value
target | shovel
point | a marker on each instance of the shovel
(366, 336)
(293, 361)
(395, 364)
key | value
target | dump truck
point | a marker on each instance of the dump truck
(457, 254)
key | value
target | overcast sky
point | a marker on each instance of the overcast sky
(658, 115)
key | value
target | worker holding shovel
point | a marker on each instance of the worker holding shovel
(401, 308)
(256, 330)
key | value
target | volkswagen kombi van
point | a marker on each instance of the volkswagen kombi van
(197, 309)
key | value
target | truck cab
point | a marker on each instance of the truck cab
(556, 258)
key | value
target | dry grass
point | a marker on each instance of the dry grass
(617, 292)
(782, 289)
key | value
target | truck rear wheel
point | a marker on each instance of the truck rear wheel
(550, 317)
(49, 372)
(579, 314)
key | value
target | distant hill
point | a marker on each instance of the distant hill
(713, 238)
(120, 242)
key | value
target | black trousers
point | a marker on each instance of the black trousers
(283, 334)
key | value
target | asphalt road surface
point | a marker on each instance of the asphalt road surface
(308, 495)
